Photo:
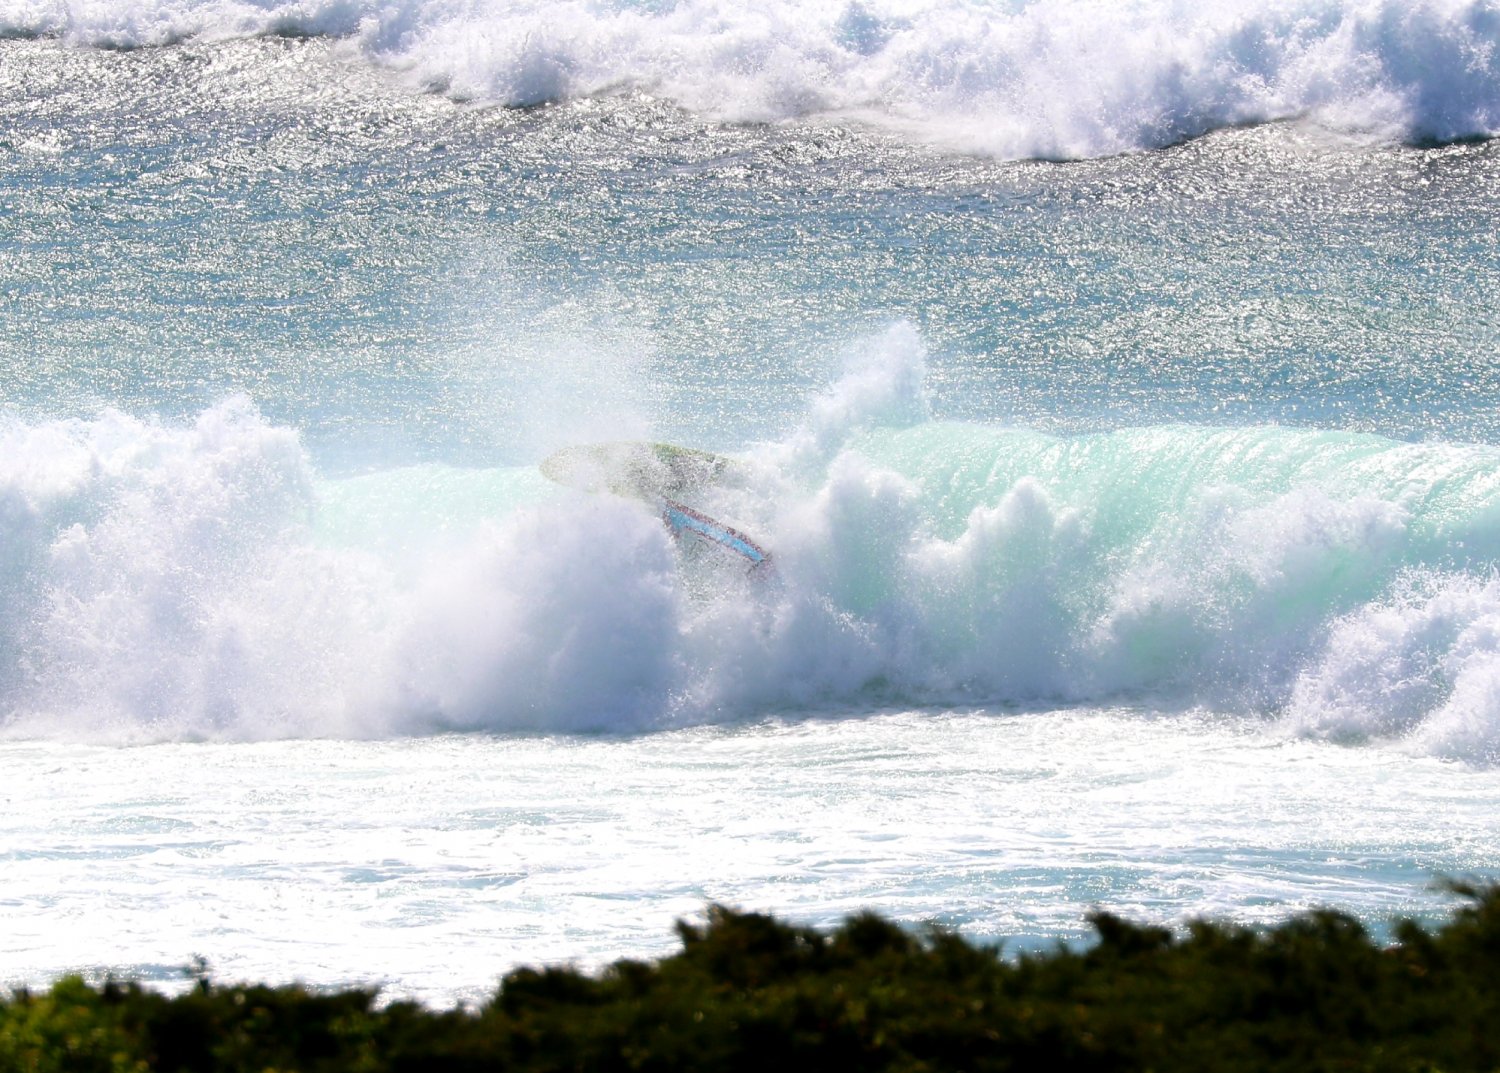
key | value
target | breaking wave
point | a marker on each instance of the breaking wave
(1054, 79)
(203, 581)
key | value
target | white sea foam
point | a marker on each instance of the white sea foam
(159, 581)
(566, 618)
(433, 865)
(1423, 667)
(181, 582)
(1057, 78)
(165, 583)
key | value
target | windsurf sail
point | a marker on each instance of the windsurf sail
(659, 473)
(637, 469)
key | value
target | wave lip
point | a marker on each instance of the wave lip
(1057, 79)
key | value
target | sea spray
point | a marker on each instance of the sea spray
(166, 582)
(564, 619)
(1422, 664)
(160, 581)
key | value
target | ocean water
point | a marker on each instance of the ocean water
(1114, 385)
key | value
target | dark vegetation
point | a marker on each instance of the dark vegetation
(748, 992)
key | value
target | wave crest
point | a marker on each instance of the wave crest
(203, 581)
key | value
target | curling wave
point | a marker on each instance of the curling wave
(204, 581)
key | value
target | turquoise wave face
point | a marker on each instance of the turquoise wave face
(204, 581)
(1222, 565)
(1144, 484)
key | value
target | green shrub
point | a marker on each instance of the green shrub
(750, 993)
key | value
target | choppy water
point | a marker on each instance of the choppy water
(1135, 515)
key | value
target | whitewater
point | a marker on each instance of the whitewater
(1114, 387)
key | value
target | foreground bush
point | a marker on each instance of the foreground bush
(748, 992)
